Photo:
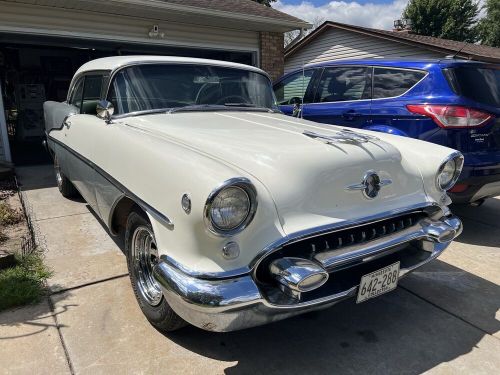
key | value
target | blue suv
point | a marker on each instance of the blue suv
(454, 103)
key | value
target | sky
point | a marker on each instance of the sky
(379, 14)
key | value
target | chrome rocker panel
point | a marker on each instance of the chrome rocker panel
(236, 303)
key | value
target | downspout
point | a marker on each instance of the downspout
(296, 39)
(4, 136)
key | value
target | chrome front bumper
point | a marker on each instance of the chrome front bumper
(235, 303)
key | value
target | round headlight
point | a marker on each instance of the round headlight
(449, 172)
(230, 208)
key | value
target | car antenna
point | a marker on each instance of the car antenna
(460, 50)
(303, 91)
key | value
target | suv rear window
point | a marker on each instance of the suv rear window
(388, 83)
(479, 84)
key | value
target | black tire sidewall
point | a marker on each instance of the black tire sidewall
(155, 314)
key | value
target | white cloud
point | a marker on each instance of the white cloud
(375, 15)
(378, 16)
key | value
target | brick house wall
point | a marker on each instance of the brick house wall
(272, 54)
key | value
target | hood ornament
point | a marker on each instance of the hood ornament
(371, 184)
(342, 136)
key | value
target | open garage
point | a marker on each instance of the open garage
(42, 44)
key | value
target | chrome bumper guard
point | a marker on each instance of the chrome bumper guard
(235, 303)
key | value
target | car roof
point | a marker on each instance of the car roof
(399, 63)
(116, 62)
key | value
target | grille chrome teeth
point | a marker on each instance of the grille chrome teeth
(327, 246)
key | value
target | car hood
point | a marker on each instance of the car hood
(313, 182)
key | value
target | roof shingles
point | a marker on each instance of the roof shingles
(247, 7)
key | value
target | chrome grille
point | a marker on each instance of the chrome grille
(309, 247)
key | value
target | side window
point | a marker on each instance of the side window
(344, 83)
(293, 87)
(388, 82)
(91, 94)
(77, 94)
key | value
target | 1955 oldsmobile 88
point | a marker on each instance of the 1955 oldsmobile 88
(233, 214)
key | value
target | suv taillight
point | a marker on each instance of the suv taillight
(451, 116)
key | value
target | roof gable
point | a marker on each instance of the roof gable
(467, 50)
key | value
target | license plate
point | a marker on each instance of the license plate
(378, 282)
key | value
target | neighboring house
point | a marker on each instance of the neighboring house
(337, 41)
(43, 42)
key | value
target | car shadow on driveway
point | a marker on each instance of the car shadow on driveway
(401, 332)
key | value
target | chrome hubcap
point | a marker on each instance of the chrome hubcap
(58, 172)
(145, 257)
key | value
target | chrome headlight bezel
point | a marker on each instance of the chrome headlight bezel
(458, 159)
(239, 182)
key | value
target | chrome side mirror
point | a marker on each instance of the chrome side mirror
(105, 110)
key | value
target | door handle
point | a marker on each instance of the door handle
(351, 115)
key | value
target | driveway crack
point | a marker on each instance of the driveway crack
(63, 343)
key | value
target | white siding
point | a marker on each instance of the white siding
(30, 19)
(336, 44)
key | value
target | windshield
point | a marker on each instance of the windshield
(479, 84)
(152, 87)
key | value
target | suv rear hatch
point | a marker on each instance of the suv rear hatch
(479, 87)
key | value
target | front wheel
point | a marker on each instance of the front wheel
(142, 256)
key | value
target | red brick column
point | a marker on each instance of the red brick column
(271, 53)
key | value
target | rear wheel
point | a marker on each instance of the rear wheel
(64, 185)
(142, 257)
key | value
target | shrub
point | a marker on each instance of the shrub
(24, 283)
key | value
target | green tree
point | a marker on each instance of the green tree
(448, 19)
(489, 26)
(267, 3)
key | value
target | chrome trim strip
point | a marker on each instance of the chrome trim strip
(145, 206)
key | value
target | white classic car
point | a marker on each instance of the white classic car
(233, 214)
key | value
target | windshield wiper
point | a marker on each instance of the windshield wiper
(141, 113)
(219, 107)
(196, 107)
(240, 105)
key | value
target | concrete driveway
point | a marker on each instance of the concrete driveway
(443, 319)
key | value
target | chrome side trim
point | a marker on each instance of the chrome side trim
(144, 205)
